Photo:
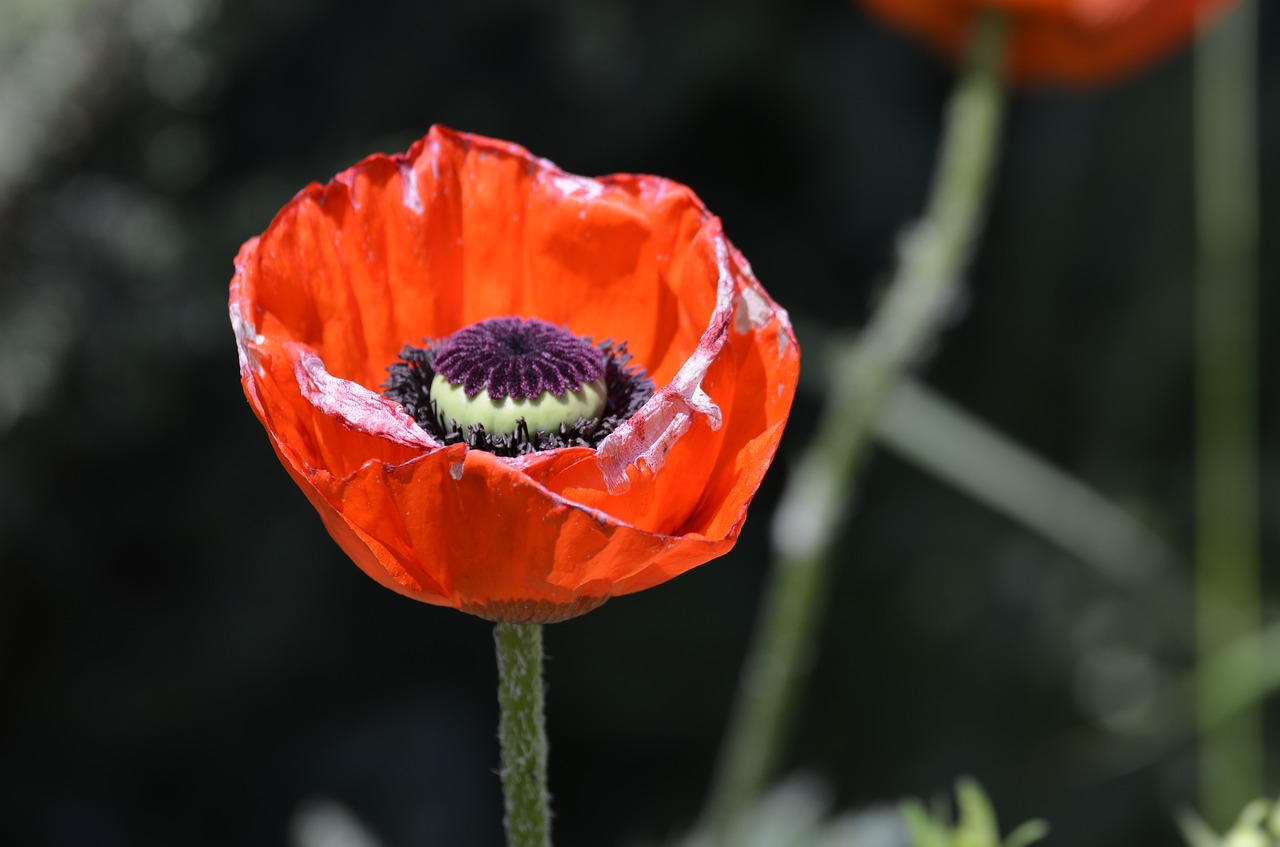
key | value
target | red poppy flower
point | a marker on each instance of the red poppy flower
(1060, 41)
(463, 229)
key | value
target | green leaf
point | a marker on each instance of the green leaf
(1196, 831)
(1029, 833)
(1273, 821)
(1254, 814)
(925, 831)
(977, 825)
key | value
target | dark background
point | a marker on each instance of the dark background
(188, 659)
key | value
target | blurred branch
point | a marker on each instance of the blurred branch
(65, 63)
(943, 439)
(1240, 683)
(58, 65)
(820, 487)
(1227, 535)
(952, 444)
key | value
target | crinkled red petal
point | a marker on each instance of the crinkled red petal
(461, 228)
(1071, 42)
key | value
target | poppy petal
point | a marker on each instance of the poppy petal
(1071, 42)
(650, 434)
(464, 228)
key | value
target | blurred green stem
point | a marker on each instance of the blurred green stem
(1240, 683)
(925, 428)
(819, 490)
(522, 735)
(1227, 557)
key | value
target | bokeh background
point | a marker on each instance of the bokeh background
(187, 659)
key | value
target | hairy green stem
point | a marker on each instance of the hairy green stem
(820, 487)
(522, 735)
(1227, 556)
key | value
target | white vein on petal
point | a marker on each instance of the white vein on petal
(355, 406)
(649, 434)
(751, 310)
(785, 332)
(409, 188)
(569, 185)
(246, 333)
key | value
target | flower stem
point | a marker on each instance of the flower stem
(1228, 608)
(522, 735)
(820, 487)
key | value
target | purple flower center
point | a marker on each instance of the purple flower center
(513, 357)
(517, 359)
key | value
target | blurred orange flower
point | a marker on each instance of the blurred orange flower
(1060, 41)
(462, 229)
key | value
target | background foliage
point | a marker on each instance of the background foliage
(187, 657)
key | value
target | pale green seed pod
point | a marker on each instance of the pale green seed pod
(457, 412)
